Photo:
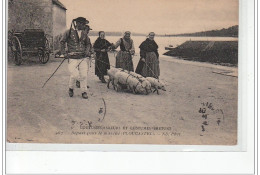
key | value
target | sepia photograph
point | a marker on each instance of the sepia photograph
(122, 72)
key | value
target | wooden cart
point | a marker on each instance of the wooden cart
(30, 42)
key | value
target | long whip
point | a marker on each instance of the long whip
(72, 24)
(53, 72)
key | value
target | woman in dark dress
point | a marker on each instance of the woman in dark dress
(148, 65)
(101, 47)
(127, 50)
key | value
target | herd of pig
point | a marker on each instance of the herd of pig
(134, 82)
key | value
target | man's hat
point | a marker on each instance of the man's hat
(82, 20)
(87, 27)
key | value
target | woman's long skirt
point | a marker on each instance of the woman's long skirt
(151, 66)
(124, 61)
(101, 64)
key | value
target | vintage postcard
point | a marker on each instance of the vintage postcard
(123, 72)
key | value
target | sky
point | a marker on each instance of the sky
(159, 16)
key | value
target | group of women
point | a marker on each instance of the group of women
(148, 65)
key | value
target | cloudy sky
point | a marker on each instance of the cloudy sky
(160, 16)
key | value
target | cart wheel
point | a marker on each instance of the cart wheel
(16, 49)
(44, 56)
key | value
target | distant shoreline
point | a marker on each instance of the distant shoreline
(198, 36)
(174, 36)
(229, 32)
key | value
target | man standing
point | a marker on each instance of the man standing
(86, 30)
(79, 46)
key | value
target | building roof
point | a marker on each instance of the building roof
(57, 2)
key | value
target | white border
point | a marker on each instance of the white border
(158, 162)
(3, 87)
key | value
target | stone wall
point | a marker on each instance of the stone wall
(59, 24)
(37, 14)
(34, 14)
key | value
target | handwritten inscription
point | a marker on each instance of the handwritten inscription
(207, 111)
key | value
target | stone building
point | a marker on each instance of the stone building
(49, 15)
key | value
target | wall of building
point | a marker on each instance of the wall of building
(59, 20)
(34, 14)
(59, 24)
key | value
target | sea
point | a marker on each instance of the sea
(165, 41)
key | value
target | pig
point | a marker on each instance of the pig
(136, 85)
(119, 79)
(111, 74)
(123, 78)
(145, 83)
(156, 84)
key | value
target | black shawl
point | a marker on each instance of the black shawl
(102, 61)
(148, 46)
(101, 44)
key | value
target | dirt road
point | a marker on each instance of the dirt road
(199, 107)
